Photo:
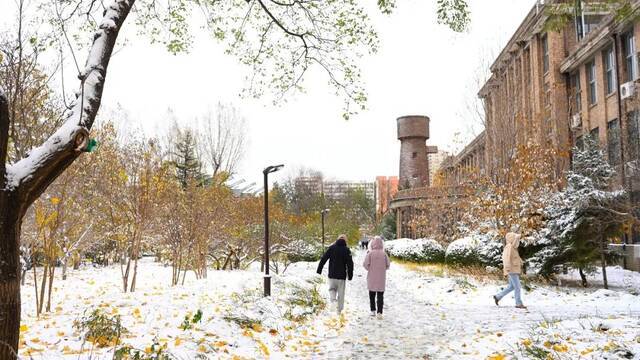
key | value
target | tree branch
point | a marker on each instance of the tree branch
(30, 176)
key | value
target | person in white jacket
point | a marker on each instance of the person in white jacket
(512, 265)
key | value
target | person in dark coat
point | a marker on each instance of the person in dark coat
(340, 269)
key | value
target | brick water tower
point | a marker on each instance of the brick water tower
(413, 132)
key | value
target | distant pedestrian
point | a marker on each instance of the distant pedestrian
(512, 264)
(377, 263)
(340, 269)
(365, 243)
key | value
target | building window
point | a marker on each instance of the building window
(591, 78)
(545, 53)
(577, 91)
(609, 71)
(613, 142)
(633, 147)
(630, 60)
(584, 21)
(594, 134)
(414, 155)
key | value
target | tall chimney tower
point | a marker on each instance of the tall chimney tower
(413, 132)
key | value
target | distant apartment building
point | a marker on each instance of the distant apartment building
(435, 162)
(333, 189)
(386, 189)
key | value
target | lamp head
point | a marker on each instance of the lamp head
(272, 168)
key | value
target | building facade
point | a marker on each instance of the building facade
(461, 168)
(570, 70)
(333, 189)
(435, 162)
(386, 189)
(556, 86)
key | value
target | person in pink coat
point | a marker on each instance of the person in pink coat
(377, 263)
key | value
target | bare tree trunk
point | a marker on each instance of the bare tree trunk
(583, 277)
(35, 286)
(603, 262)
(65, 259)
(52, 270)
(135, 275)
(9, 278)
(125, 275)
(45, 274)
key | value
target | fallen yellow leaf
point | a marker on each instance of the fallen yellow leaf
(497, 356)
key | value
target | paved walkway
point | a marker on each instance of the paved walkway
(431, 317)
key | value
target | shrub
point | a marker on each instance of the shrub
(190, 320)
(489, 249)
(156, 351)
(476, 249)
(300, 250)
(304, 301)
(100, 328)
(419, 250)
(463, 252)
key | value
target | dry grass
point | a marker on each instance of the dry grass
(442, 270)
(478, 273)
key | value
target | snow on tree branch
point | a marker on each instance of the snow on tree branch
(31, 175)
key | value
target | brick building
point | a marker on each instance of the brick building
(456, 169)
(554, 87)
(386, 189)
(413, 132)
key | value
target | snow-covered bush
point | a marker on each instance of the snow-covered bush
(419, 250)
(463, 252)
(300, 250)
(489, 249)
(476, 249)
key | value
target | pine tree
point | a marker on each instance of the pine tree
(185, 160)
(586, 216)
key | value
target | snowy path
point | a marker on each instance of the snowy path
(431, 317)
(428, 315)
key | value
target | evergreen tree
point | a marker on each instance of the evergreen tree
(185, 160)
(586, 216)
(387, 226)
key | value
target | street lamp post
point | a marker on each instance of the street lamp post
(267, 277)
(322, 214)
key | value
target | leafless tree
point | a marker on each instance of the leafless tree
(223, 138)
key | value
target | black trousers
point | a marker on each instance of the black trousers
(372, 300)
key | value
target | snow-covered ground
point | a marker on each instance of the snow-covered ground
(428, 315)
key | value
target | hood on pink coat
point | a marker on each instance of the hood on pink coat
(377, 243)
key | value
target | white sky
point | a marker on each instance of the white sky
(421, 68)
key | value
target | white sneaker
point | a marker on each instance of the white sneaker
(373, 313)
(379, 316)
